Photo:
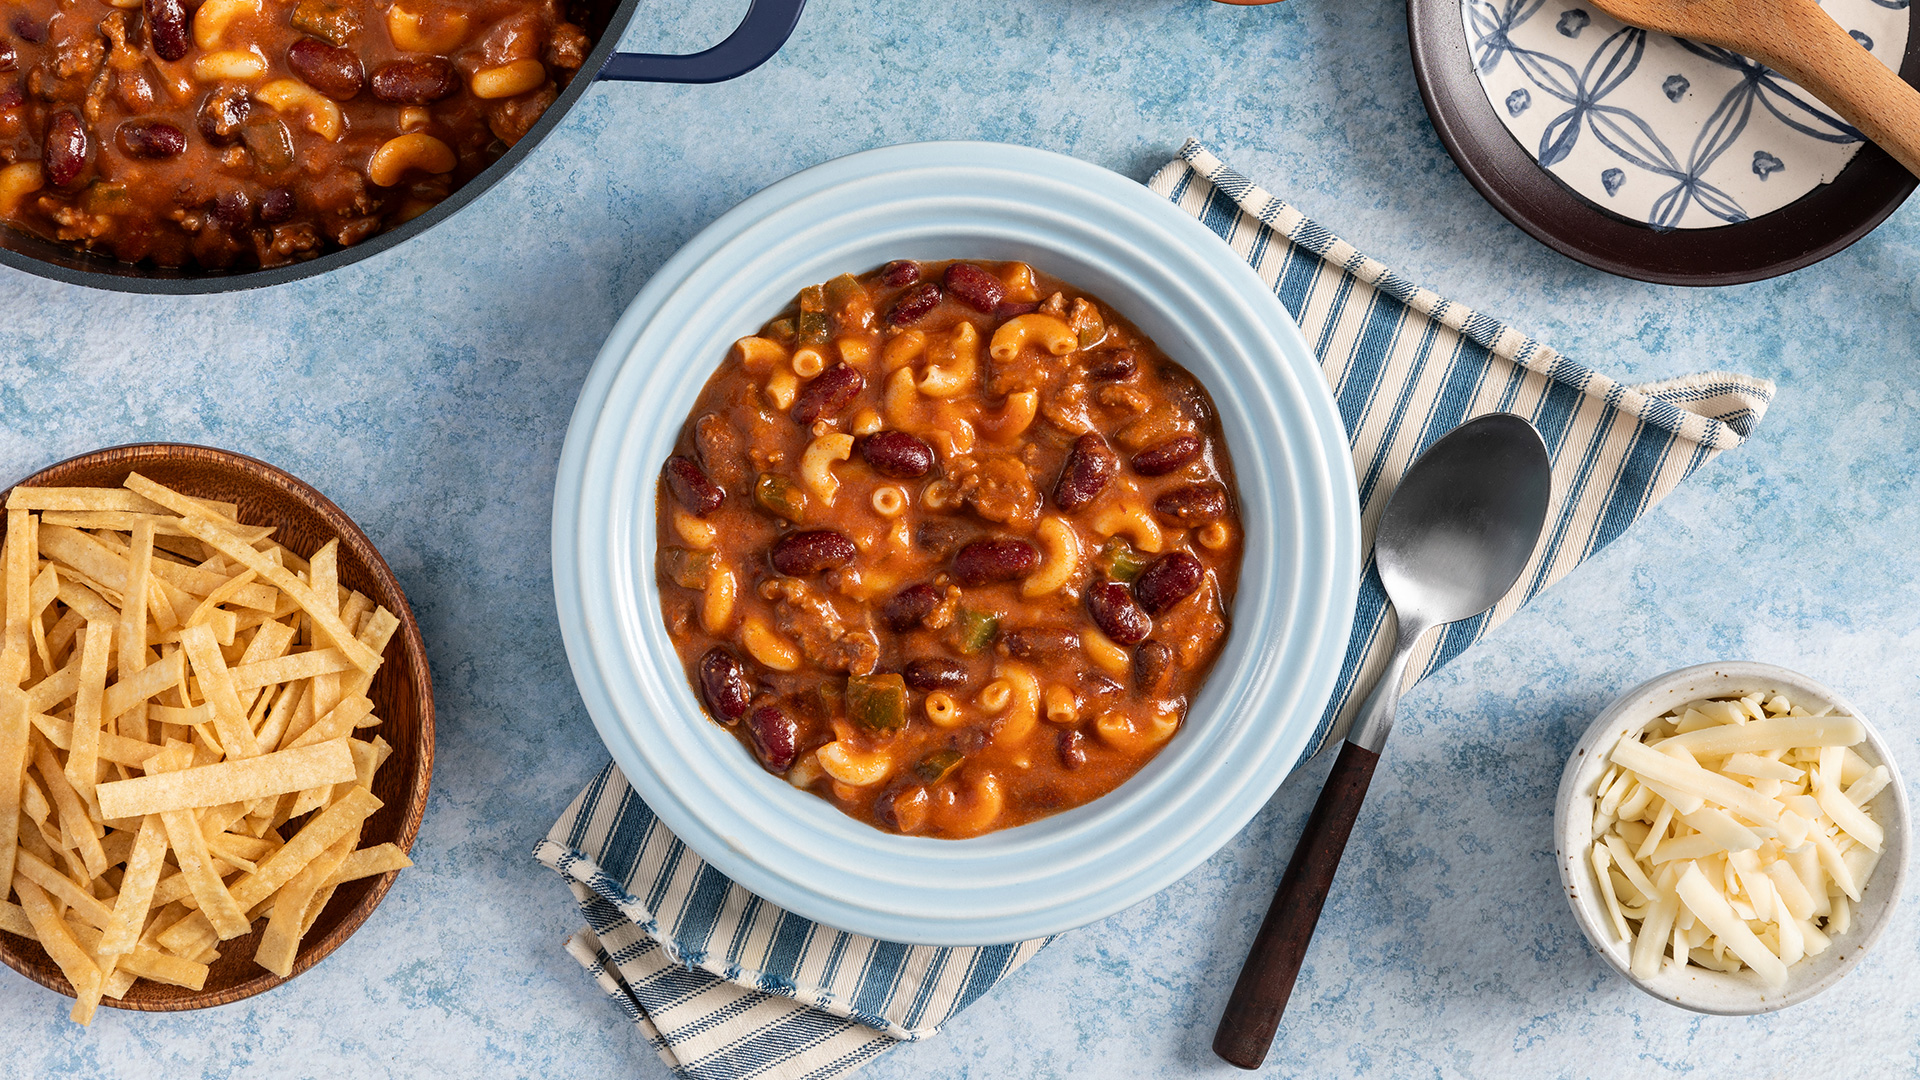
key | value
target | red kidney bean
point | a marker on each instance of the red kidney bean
(689, 484)
(912, 306)
(1166, 581)
(974, 287)
(166, 28)
(800, 554)
(900, 273)
(1115, 613)
(1072, 753)
(930, 674)
(26, 29)
(1113, 366)
(897, 454)
(330, 69)
(151, 139)
(1194, 504)
(1092, 682)
(1152, 662)
(1163, 458)
(277, 206)
(724, 680)
(224, 113)
(986, 561)
(1039, 643)
(66, 148)
(233, 209)
(829, 392)
(416, 82)
(1090, 464)
(1009, 309)
(9, 59)
(910, 605)
(775, 737)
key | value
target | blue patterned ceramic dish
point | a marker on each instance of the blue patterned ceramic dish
(1660, 130)
(1181, 286)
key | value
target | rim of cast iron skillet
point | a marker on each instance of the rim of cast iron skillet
(1819, 224)
(73, 267)
(1250, 724)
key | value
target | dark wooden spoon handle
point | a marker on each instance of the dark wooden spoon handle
(1266, 981)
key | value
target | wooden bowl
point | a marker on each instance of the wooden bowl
(402, 695)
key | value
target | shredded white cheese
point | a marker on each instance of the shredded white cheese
(1734, 833)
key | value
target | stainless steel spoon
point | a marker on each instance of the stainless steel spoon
(1454, 537)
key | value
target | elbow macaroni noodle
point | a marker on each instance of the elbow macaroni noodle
(816, 466)
(1059, 559)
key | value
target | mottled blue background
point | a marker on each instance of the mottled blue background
(427, 391)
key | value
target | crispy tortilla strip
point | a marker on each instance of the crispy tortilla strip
(167, 714)
(148, 858)
(133, 617)
(55, 688)
(148, 682)
(84, 600)
(143, 961)
(83, 757)
(117, 520)
(285, 669)
(231, 781)
(13, 920)
(46, 588)
(320, 833)
(83, 903)
(366, 862)
(14, 751)
(74, 820)
(337, 724)
(82, 499)
(114, 748)
(379, 630)
(52, 933)
(281, 940)
(324, 614)
(216, 685)
(20, 556)
(227, 916)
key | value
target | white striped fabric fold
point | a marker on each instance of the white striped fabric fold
(729, 987)
(1407, 366)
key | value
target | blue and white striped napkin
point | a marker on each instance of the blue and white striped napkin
(730, 987)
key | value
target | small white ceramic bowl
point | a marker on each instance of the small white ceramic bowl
(1696, 988)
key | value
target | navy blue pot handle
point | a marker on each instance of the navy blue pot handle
(767, 26)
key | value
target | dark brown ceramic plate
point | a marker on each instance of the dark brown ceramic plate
(402, 695)
(1824, 221)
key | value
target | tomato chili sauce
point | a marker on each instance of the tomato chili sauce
(250, 133)
(951, 545)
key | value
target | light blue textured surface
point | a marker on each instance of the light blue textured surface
(427, 391)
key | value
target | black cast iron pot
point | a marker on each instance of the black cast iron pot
(766, 27)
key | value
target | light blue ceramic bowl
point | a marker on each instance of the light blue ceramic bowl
(1184, 288)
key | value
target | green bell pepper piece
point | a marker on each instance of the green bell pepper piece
(1121, 562)
(975, 629)
(780, 497)
(938, 765)
(877, 702)
(687, 569)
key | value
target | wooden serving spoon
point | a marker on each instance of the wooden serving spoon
(1802, 42)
